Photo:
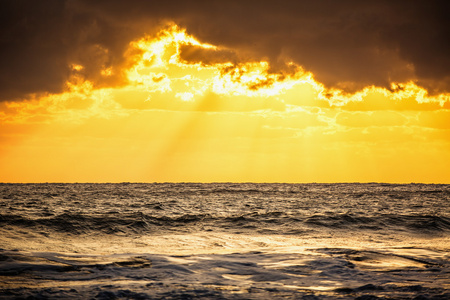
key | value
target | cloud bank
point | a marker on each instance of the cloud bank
(346, 44)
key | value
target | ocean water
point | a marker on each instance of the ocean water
(224, 241)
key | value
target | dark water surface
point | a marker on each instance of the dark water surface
(224, 241)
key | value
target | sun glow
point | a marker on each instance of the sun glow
(160, 68)
(191, 111)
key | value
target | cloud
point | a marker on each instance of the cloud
(41, 40)
(345, 44)
(33, 56)
(210, 102)
(437, 119)
(381, 100)
(206, 56)
(369, 119)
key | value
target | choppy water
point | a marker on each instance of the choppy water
(232, 241)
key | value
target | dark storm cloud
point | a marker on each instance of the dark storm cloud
(40, 40)
(346, 44)
(31, 59)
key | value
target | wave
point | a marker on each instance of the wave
(276, 221)
(109, 223)
(325, 273)
(415, 223)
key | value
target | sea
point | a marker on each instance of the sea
(224, 241)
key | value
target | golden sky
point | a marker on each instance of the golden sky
(180, 106)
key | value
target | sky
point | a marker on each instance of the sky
(224, 91)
